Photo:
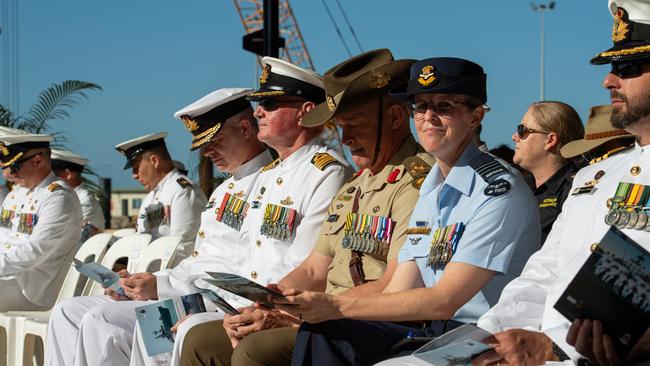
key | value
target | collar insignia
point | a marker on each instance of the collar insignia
(265, 74)
(621, 27)
(190, 124)
(428, 76)
(378, 80)
(331, 105)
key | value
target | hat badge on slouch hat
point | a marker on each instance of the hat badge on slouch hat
(378, 80)
(427, 76)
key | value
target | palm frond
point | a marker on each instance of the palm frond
(6, 117)
(54, 103)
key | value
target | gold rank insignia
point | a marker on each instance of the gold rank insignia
(3, 149)
(287, 201)
(53, 187)
(621, 28)
(271, 165)
(323, 160)
(190, 124)
(331, 105)
(378, 80)
(417, 182)
(183, 182)
(428, 76)
(265, 74)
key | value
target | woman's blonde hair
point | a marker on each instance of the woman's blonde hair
(558, 117)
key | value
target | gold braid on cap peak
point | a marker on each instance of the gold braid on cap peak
(13, 160)
(628, 51)
(267, 93)
(205, 136)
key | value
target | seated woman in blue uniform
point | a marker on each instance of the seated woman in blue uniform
(471, 232)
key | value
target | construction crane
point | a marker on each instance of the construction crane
(295, 51)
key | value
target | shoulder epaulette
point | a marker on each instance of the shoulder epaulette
(611, 153)
(490, 168)
(183, 182)
(323, 160)
(418, 169)
(53, 187)
(416, 166)
(271, 165)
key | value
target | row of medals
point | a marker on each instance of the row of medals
(626, 216)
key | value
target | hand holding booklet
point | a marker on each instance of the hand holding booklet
(101, 275)
(243, 287)
(613, 286)
(456, 347)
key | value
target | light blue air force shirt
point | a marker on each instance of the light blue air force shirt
(501, 222)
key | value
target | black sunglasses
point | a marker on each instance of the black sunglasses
(523, 131)
(15, 167)
(626, 70)
(440, 107)
(270, 105)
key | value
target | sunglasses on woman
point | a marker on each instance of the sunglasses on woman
(523, 131)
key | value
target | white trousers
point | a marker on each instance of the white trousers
(139, 355)
(12, 298)
(91, 331)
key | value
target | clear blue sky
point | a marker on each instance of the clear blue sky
(154, 57)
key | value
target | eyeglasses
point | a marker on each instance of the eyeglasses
(15, 167)
(442, 107)
(270, 105)
(523, 131)
(626, 70)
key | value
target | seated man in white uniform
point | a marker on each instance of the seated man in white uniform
(222, 123)
(39, 226)
(529, 330)
(69, 166)
(174, 204)
(301, 183)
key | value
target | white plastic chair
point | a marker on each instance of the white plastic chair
(93, 249)
(161, 249)
(29, 328)
(128, 246)
(120, 233)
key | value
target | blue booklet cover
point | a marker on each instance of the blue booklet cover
(100, 274)
(156, 320)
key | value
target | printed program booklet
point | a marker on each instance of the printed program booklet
(221, 303)
(613, 287)
(101, 275)
(455, 348)
(156, 320)
(243, 287)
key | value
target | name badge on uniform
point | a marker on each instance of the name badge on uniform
(548, 202)
(158, 216)
(590, 186)
(629, 207)
(26, 222)
(6, 217)
(367, 233)
(278, 222)
(444, 243)
(232, 211)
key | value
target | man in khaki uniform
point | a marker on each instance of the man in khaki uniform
(356, 251)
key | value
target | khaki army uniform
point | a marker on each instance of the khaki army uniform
(391, 193)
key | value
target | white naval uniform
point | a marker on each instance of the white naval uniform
(3, 194)
(39, 232)
(181, 205)
(296, 183)
(213, 249)
(92, 212)
(527, 302)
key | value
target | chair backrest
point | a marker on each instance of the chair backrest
(120, 233)
(123, 247)
(160, 250)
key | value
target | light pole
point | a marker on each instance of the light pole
(542, 8)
